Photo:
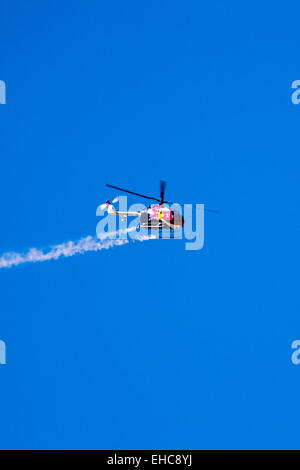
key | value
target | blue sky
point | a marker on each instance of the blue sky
(149, 345)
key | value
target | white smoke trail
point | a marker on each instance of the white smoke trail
(67, 249)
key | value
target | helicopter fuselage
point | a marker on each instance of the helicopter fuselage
(155, 216)
(159, 216)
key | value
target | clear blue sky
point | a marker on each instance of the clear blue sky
(149, 345)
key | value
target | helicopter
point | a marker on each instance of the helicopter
(156, 216)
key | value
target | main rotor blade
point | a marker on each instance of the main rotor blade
(162, 190)
(162, 201)
(131, 192)
(212, 210)
(206, 210)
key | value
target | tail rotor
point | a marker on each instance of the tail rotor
(106, 204)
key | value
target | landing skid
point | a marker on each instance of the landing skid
(159, 229)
